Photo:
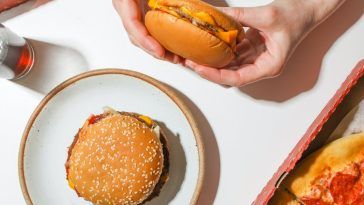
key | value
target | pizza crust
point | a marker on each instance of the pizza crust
(281, 197)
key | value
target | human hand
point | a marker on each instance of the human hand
(132, 14)
(274, 33)
(275, 30)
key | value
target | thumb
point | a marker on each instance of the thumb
(247, 16)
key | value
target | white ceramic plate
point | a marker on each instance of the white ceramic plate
(53, 125)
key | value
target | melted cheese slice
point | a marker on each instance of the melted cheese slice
(71, 185)
(227, 36)
(146, 119)
(204, 17)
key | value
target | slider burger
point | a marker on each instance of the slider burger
(118, 158)
(333, 175)
(194, 30)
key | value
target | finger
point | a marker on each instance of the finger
(143, 4)
(130, 14)
(150, 45)
(241, 36)
(211, 74)
(246, 74)
(219, 76)
(248, 16)
(255, 37)
(265, 66)
(129, 11)
(173, 58)
(250, 48)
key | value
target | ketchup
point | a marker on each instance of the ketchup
(94, 118)
(25, 60)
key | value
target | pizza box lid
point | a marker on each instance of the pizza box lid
(346, 97)
(7, 4)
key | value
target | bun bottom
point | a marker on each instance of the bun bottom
(165, 172)
(187, 40)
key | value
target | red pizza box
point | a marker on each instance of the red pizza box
(7, 4)
(349, 95)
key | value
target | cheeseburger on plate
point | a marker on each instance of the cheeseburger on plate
(118, 158)
(194, 30)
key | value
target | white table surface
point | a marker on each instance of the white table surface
(248, 132)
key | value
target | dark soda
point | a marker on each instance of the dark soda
(16, 55)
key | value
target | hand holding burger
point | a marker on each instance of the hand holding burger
(194, 30)
(275, 31)
(132, 14)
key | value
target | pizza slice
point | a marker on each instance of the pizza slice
(333, 175)
(283, 197)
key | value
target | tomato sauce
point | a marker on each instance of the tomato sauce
(309, 201)
(345, 189)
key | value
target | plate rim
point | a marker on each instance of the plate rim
(107, 71)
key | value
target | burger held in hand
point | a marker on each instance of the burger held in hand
(118, 158)
(194, 30)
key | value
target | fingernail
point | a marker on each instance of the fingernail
(199, 71)
(176, 59)
(151, 48)
(188, 64)
(152, 54)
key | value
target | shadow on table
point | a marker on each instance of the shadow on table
(302, 70)
(212, 157)
(177, 168)
(22, 8)
(53, 64)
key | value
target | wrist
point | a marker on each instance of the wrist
(298, 16)
(321, 9)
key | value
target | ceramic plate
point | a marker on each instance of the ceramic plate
(56, 120)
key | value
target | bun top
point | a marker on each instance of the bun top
(195, 6)
(115, 159)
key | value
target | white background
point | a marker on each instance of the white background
(248, 132)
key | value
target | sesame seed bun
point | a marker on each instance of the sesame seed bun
(118, 158)
(184, 38)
